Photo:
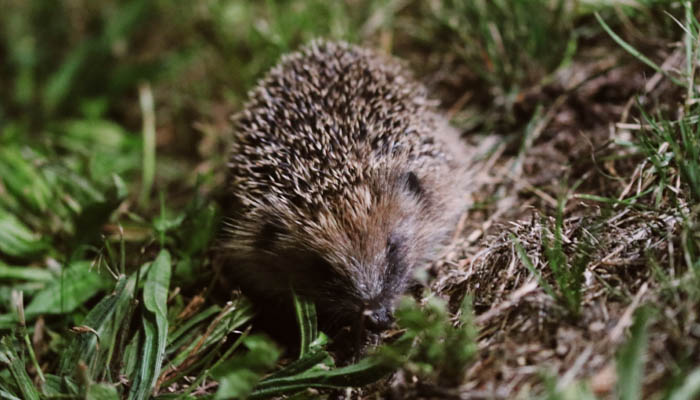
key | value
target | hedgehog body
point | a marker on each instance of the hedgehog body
(344, 179)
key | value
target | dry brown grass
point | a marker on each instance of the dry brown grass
(524, 332)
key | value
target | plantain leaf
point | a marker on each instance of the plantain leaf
(23, 180)
(101, 391)
(155, 290)
(155, 326)
(144, 373)
(89, 347)
(78, 284)
(17, 240)
(26, 273)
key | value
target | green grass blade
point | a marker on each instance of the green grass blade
(634, 52)
(301, 365)
(59, 83)
(174, 337)
(366, 371)
(9, 357)
(525, 259)
(630, 360)
(690, 389)
(5, 394)
(132, 359)
(144, 378)
(155, 298)
(84, 346)
(305, 310)
(231, 318)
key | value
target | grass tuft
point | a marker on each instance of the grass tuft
(566, 270)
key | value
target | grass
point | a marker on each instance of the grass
(113, 121)
(507, 42)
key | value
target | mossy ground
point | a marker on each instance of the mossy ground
(575, 274)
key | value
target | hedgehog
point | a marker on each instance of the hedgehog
(344, 180)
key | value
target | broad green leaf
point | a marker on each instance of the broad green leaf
(78, 283)
(101, 391)
(238, 376)
(82, 135)
(132, 358)
(8, 321)
(155, 297)
(155, 290)
(54, 386)
(85, 345)
(24, 180)
(26, 273)
(17, 240)
(144, 377)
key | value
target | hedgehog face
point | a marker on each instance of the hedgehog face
(363, 254)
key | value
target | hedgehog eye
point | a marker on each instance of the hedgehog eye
(395, 264)
(392, 247)
(413, 183)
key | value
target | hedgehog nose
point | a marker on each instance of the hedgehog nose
(378, 319)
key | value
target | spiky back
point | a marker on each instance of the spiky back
(321, 121)
(341, 173)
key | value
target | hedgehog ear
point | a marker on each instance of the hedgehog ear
(413, 184)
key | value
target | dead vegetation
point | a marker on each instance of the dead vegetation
(628, 225)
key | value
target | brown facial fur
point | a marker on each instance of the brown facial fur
(344, 178)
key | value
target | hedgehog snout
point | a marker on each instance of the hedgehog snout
(378, 318)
